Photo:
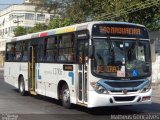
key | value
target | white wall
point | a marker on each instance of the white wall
(7, 24)
(156, 70)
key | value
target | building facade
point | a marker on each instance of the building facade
(155, 52)
(19, 15)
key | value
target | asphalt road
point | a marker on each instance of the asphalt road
(13, 106)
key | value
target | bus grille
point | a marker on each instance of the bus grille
(124, 84)
(120, 91)
(120, 99)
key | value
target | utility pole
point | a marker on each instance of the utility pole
(18, 21)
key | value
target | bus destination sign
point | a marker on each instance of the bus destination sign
(120, 30)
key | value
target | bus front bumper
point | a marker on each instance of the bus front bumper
(99, 100)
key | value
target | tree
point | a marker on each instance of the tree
(144, 12)
(149, 16)
(38, 27)
(78, 11)
(20, 31)
(59, 22)
(54, 6)
(55, 23)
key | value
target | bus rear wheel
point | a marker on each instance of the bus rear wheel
(66, 97)
(22, 86)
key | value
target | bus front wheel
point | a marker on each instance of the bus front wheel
(66, 96)
(22, 86)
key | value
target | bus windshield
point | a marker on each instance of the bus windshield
(117, 58)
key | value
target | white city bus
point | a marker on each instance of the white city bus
(90, 64)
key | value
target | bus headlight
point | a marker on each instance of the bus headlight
(99, 88)
(146, 88)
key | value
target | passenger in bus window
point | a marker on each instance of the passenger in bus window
(25, 57)
(71, 57)
(80, 59)
(18, 55)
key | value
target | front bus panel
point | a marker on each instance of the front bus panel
(120, 66)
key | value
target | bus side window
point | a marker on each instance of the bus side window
(18, 51)
(10, 52)
(51, 49)
(66, 48)
(25, 51)
(40, 50)
(44, 50)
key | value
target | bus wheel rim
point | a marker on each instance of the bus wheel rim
(66, 95)
(21, 87)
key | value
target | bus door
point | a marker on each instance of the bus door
(31, 71)
(82, 70)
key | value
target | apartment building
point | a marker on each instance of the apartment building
(19, 15)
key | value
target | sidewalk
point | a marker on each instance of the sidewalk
(156, 93)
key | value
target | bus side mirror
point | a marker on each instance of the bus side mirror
(91, 51)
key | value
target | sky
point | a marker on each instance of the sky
(9, 2)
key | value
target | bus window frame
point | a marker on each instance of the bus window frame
(118, 78)
(15, 42)
(57, 36)
(83, 38)
(32, 41)
(73, 47)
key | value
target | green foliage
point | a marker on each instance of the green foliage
(55, 23)
(20, 31)
(59, 22)
(78, 11)
(50, 5)
(148, 17)
(38, 27)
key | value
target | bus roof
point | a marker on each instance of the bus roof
(67, 29)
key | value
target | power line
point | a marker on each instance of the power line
(125, 11)
(134, 8)
(130, 9)
(12, 4)
(121, 12)
(26, 4)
